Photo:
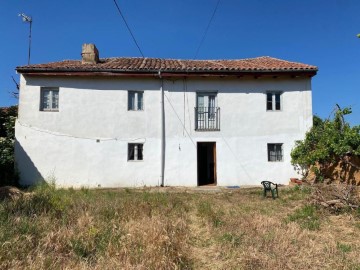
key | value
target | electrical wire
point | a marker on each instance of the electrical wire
(77, 137)
(132, 35)
(184, 107)
(207, 29)
(187, 101)
(180, 120)
(236, 157)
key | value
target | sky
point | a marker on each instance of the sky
(316, 32)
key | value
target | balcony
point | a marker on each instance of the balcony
(207, 118)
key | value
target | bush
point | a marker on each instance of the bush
(327, 141)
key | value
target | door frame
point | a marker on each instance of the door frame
(214, 158)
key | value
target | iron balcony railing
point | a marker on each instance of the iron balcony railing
(207, 118)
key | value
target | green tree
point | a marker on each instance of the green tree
(7, 141)
(327, 141)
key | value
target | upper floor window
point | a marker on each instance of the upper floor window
(135, 151)
(275, 152)
(207, 114)
(135, 100)
(49, 99)
(273, 101)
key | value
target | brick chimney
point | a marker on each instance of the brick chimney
(89, 54)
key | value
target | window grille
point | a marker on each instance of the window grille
(275, 152)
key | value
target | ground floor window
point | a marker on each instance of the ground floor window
(135, 151)
(275, 152)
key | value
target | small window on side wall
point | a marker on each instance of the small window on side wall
(275, 152)
(135, 100)
(49, 99)
(135, 151)
(273, 101)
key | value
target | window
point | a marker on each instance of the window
(275, 152)
(273, 101)
(135, 151)
(207, 114)
(49, 99)
(135, 101)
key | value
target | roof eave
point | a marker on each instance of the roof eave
(146, 72)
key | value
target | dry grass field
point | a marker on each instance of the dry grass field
(132, 229)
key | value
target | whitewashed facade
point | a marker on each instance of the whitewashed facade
(85, 140)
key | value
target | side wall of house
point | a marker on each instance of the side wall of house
(85, 142)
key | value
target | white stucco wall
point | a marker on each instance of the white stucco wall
(63, 145)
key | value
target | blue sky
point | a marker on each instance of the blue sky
(317, 32)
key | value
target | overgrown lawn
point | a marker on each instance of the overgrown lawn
(146, 229)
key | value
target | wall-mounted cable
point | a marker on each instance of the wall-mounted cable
(97, 139)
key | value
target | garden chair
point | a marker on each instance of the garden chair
(270, 186)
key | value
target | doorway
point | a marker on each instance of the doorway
(206, 163)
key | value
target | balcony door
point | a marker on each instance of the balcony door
(206, 111)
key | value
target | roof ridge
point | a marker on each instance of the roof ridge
(182, 59)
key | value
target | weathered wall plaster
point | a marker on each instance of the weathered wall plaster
(63, 145)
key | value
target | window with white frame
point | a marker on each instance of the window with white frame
(135, 100)
(273, 101)
(135, 151)
(49, 99)
(207, 114)
(275, 152)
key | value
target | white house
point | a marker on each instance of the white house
(118, 122)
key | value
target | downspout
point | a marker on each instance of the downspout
(162, 173)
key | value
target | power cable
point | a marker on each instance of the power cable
(178, 117)
(187, 101)
(77, 137)
(133, 37)
(207, 28)
(236, 157)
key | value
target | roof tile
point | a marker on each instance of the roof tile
(259, 64)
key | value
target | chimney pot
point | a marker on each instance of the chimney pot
(89, 54)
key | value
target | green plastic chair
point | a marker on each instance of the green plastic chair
(272, 187)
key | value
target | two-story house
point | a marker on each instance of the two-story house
(146, 121)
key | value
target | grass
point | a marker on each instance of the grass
(306, 216)
(132, 229)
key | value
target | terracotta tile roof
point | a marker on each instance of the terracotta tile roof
(259, 64)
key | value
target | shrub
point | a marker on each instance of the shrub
(327, 141)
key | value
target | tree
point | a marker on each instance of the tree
(7, 141)
(327, 141)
